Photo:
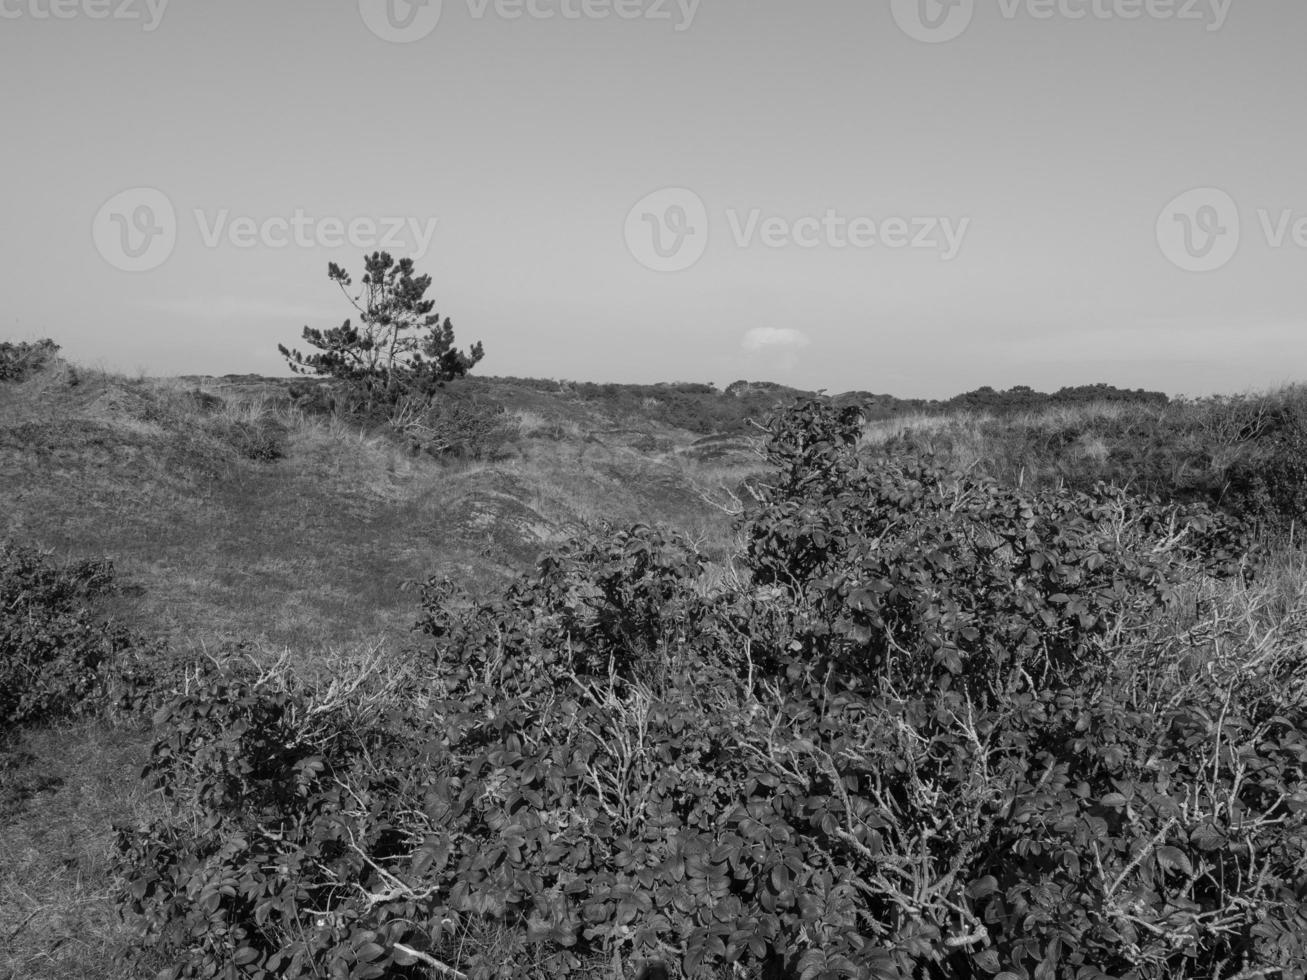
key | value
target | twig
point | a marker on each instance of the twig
(431, 961)
(23, 925)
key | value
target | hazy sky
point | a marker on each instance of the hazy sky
(906, 196)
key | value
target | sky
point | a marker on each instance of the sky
(914, 197)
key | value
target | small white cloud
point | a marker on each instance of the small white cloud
(784, 339)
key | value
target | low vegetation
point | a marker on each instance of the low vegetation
(1241, 454)
(20, 361)
(928, 730)
(949, 696)
(56, 652)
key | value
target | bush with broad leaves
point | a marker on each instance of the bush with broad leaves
(932, 728)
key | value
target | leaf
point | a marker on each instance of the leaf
(780, 878)
(811, 964)
(403, 957)
(982, 887)
(987, 960)
(245, 955)
(1175, 859)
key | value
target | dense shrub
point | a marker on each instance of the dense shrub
(316, 397)
(450, 423)
(917, 575)
(260, 884)
(55, 650)
(460, 426)
(1270, 485)
(19, 361)
(1242, 455)
(928, 731)
(1025, 399)
(261, 440)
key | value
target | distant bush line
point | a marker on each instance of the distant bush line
(706, 409)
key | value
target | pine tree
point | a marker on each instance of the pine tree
(401, 351)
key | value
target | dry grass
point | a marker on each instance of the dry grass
(530, 424)
(61, 791)
(973, 436)
(877, 434)
(1251, 628)
(1049, 447)
(312, 548)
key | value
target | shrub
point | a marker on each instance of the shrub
(262, 441)
(315, 397)
(1271, 485)
(262, 885)
(457, 426)
(19, 361)
(920, 576)
(927, 732)
(54, 650)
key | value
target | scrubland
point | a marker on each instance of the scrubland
(945, 695)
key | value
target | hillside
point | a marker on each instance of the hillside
(251, 531)
(306, 547)
(311, 545)
(235, 516)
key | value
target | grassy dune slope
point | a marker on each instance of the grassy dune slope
(313, 547)
(305, 553)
